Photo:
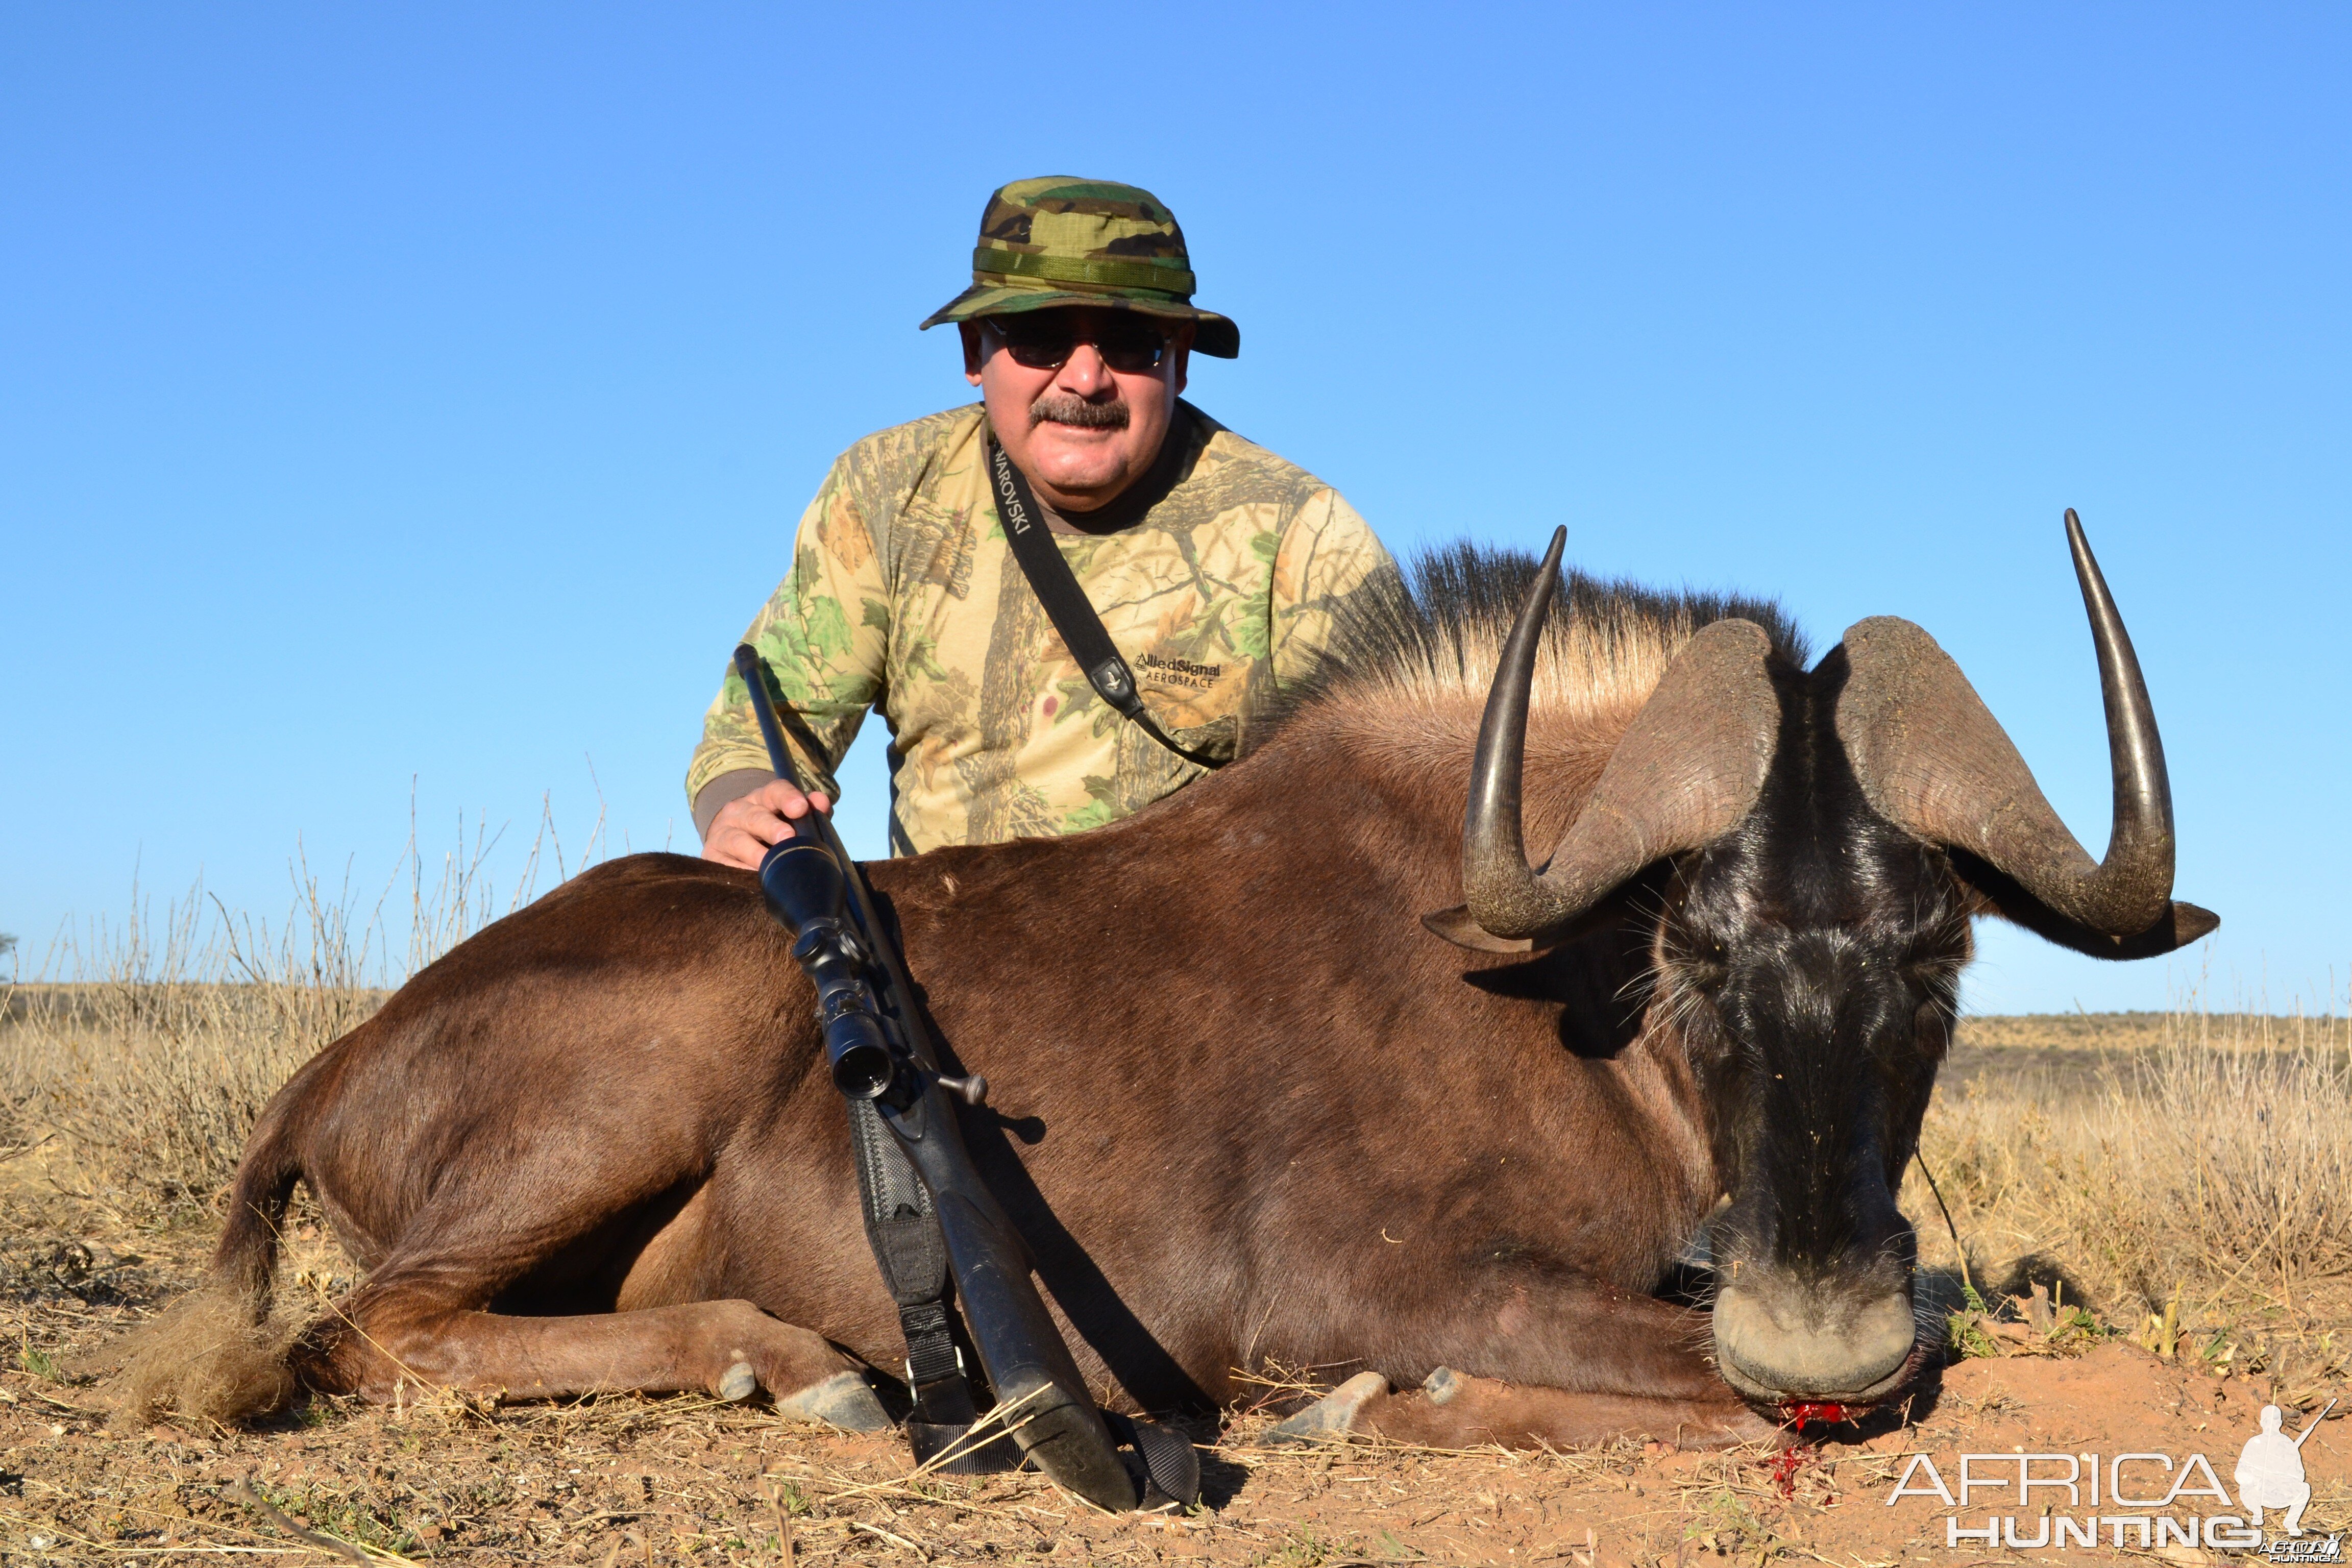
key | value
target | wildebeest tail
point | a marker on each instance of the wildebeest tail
(245, 1261)
(219, 1353)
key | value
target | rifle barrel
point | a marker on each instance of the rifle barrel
(753, 670)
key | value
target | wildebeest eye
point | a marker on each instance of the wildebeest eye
(1937, 973)
(1702, 961)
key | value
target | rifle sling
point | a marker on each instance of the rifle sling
(904, 1231)
(1068, 606)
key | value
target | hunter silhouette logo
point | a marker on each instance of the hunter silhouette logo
(2270, 1471)
(2142, 1500)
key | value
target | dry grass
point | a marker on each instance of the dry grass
(2186, 1172)
(150, 1045)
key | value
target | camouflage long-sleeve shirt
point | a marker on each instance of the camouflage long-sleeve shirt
(903, 592)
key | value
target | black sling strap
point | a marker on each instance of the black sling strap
(904, 1230)
(1066, 606)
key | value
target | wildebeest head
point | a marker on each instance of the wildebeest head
(1830, 832)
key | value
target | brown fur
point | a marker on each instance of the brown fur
(1244, 1108)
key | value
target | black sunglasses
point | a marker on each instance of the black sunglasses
(1129, 345)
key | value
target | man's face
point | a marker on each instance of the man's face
(1081, 398)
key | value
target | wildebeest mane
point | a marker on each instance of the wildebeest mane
(1430, 633)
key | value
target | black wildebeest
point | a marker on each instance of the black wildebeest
(1247, 1108)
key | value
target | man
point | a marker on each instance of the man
(1213, 565)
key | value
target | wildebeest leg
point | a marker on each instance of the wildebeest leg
(1455, 1411)
(725, 1348)
(1523, 1363)
(422, 1318)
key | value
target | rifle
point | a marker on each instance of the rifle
(878, 1049)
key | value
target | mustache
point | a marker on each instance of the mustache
(1067, 408)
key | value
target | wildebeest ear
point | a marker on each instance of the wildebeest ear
(2175, 928)
(1456, 927)
(1995, 894)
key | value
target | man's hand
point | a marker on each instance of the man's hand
(744, 828)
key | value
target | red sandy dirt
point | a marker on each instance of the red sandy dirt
(681, 1480)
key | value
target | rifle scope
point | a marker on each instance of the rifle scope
(805, 890)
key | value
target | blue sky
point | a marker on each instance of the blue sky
(428, 394)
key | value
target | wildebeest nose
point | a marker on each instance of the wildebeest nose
(1779, 1346)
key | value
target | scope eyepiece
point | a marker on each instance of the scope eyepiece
(859, 1056)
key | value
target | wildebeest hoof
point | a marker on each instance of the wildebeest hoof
(1331, 1417)
(845, 1400)
(1442, 1386)
(737, 1384)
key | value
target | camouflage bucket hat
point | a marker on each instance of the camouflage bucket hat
(1061, 241)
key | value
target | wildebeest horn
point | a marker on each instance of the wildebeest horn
(1931, 758)
(1685, 771)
